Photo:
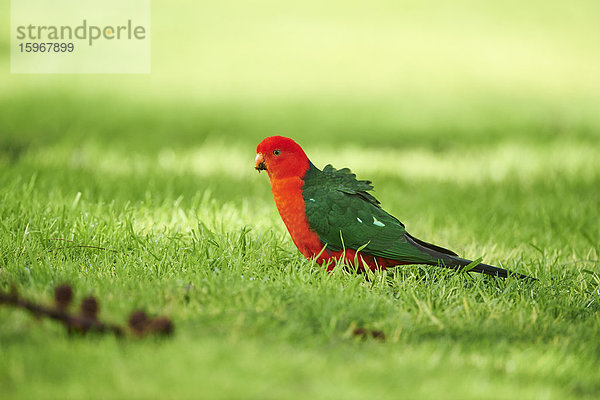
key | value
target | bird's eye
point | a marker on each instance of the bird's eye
(276, 152)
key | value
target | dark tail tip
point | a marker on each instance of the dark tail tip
(495, 271)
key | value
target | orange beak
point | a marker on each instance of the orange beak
(259, 162)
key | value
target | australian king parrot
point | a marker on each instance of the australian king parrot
(331, 216)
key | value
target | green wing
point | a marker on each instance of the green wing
(344, 215)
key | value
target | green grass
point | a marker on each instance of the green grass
(478, 125)
(195, 235)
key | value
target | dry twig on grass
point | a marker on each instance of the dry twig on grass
(86, 320)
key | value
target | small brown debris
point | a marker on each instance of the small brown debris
(87, 319)
(363, 333)
(89, 308)
(359, 332)
(378, 335)
(63, 295)
(161, 325)
(138, 321)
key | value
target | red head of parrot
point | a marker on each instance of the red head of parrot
(281, 157)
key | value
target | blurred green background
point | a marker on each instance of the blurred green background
(400, 74)
(478, 123)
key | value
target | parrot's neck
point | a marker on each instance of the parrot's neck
(287, 193)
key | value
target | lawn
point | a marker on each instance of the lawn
(155, 173)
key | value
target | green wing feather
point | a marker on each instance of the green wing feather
(344, 215)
